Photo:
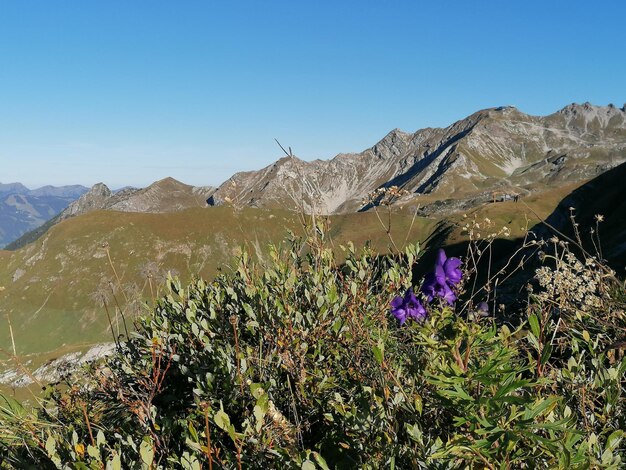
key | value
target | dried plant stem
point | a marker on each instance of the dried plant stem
(565, 237)
(115, 338)
(208, 436)
(117, 277)
(11, 333)
(406, 239)
(21, 366)
(387, 228)
(84, 407)
(233, 321)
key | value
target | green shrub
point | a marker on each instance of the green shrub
(297, 363)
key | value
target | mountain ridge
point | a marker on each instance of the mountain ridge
(23, 209)
(165, 195)
(495, 148)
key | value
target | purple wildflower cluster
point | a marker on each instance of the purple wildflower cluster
(408, 307)
(437, 284)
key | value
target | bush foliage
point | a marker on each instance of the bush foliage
(296, 362)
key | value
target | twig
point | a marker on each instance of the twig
(208, 436)
(84, 407)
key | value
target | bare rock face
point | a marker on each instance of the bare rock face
(96, 198)
(498, 148)
(166, 195)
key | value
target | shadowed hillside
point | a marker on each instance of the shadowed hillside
(604, 195)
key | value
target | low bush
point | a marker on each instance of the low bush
(300, 362)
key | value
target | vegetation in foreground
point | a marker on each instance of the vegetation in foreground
(304, 362)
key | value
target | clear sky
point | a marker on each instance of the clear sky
(128, 92)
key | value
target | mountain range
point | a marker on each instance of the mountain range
(23, 209)
(166, 195)
(135, 236)
(498, 149)
(494, 152)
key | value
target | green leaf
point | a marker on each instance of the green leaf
(545, 404)
(614, 439)
(533, 340)
(533, 321)
(378, 352)
(116, 462)
(10, 406)
(51, 446)
(308, 465)
(147, 452)
(100, 439)
(546, 354)
(193, 432)
(320, 461)
(93, 452)
(222, 420)
(508, 388)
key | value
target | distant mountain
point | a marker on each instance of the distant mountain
(166, 195)
(73, 191)
(22, 209)
(13, 188)
(498, 149)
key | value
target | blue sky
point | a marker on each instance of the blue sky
(128, 92)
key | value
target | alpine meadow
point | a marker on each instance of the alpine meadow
(200, 269)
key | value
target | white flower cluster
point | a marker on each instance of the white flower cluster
(571, 285)
(477, 230)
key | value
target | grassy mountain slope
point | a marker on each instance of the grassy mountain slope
(53, 286)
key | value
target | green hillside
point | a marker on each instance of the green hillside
(54, 288)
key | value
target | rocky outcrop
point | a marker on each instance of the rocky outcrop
(166, 195)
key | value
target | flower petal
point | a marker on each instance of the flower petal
(441, 257)
(418, 312)
(448, 294)
(429, 286)
(440, 275)
(400, 314)
(452, 271)
(397, 302)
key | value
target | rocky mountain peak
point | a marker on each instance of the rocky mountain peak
(98, 189)
(589, 110)
(94, 199)
(167, 182)
(392, 145)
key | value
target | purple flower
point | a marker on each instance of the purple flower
(450, 266)
(482, 309)
(439, 283)
(435, 285)
(408, 307)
